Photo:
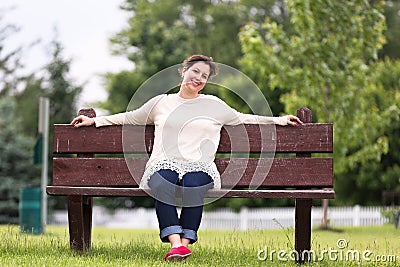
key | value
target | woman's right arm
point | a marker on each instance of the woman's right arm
(140, 116)
(115, 119)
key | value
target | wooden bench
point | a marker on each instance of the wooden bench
(297, 176)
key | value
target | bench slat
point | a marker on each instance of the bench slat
(130, 192)
(283, 172)
(308, 138)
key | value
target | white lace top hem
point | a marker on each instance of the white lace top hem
(182, 167)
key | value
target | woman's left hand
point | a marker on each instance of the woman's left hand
(288, 120)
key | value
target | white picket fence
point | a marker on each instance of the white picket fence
(262, 218)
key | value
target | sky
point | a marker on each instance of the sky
(83, 27)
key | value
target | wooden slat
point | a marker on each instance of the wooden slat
(107, 139)
(241, 138)
(120, 192)
(312, 138)
(278, 172)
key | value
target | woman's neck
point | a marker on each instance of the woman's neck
(186, 95)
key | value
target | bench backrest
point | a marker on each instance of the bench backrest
(243, 159)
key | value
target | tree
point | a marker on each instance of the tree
(363, 179)
(52, 82)
(23, 88)
(16, 165)
(19, 97)
(55, 84)
(390, 49)
(60, 88)
(161, 34)
(325, 64)
(9, 60)
(63, 95)
(27, 101)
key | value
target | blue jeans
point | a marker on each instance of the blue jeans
(165, 185)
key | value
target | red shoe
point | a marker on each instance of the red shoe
(177, 254)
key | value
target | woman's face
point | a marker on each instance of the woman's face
(195, 77)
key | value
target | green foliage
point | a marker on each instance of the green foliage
(56, 85)
(28, 104)
(60, 89)
(372, 162)
(9, 60)
(391, 48)
(390, 214)
(16, 165)
(328, 51)
(328, 63)
(161, 34)
(63, 95)
(124, 81)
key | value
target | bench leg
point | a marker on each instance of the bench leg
(302, 230)
(80, 222)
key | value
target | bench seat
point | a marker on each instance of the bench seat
(239, 193)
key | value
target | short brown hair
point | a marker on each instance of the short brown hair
(190, 61)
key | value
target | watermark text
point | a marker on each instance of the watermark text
(340, 253)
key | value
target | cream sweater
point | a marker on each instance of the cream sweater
(187, 131)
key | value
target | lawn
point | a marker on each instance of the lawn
(373, 246)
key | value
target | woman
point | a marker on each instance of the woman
(187, 131)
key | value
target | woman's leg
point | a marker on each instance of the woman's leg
(163, 185)
(195, 185)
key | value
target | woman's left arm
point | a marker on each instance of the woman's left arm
(253, 119)
(230, 116)
(233, 117)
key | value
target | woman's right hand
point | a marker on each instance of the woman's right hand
(82, 120)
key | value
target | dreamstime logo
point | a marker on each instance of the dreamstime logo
(193, 118)
(340, 253)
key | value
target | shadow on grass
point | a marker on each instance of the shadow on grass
(128, 251)
(328, 229)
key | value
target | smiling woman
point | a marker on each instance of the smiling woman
(186, 137)
(197, 70)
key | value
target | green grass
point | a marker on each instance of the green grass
(127, 247)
